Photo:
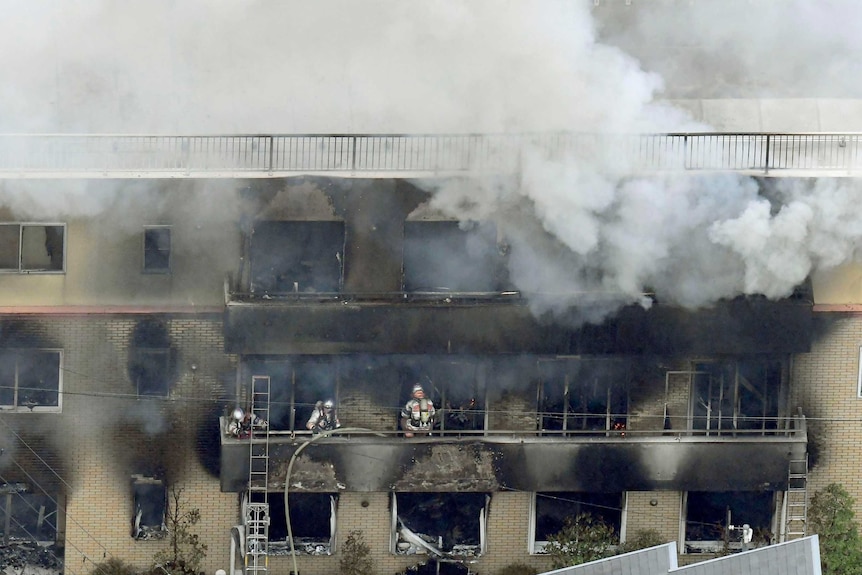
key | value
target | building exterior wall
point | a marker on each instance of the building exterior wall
(825, 387)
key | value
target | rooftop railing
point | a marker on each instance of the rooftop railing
(378, 155)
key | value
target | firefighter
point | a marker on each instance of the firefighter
(418, 413)
(323, 417)
(242, 423)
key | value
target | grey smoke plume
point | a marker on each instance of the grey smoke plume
(582, 232)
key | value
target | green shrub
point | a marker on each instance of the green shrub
(517, 569)
(581, 540)
(113, 566)
(643, 538)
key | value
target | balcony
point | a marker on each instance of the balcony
(483, 461)
(420, 155)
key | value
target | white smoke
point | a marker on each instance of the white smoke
(582, 232)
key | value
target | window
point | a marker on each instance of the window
(150, 504)
(295, 386)
(440, 524)
(32, 247)
(448, 256)
(457, 389)
(157, 249)
(709, 514)
(297, 257)
(550, 511)
(727, 397)
(28, 516)
(151, 371)
(580, 396)
(312, 522)
(30, 379)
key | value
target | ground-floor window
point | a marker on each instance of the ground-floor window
(714, 519)
(441, 525)
(551, 511)
(312, 522)
(27, 516)
(150, 499)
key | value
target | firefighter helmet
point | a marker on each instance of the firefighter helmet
(238, 414)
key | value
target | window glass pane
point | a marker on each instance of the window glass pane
(157, 249)
(42, 248)
(38, 378)
(709, 513)
(9, 238)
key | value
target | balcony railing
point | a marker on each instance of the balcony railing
(377, 155)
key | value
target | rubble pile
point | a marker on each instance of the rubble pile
(20, 554)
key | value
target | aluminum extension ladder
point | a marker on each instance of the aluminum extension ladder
(797, 499)
(257, 512)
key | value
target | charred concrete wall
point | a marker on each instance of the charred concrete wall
(106, 433)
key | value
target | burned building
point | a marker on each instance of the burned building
(127, 349)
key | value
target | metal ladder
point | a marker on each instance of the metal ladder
(257, 512)
(797, 499)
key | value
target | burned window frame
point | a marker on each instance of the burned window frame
(14, 496)
(143, 532)
(772, 403)
(154, 252)
(415, 266)
(265, 278)
(435, 374)
(394, 530)
(21, 266)
(141, 359)
(277, 518)
(20, 405)
(295, 387)
(690, 545)
(577, 422)
(537, 547)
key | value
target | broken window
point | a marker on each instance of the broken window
(295, 386)
(583, 396)
(451, 256)
(157, 249)
(150, 499)
(297, 257)
(442, 525)
(709, 515)
(312, 522)
(32, 247)
(457, 388)
(27, 516)
(151, 371)
(736, 395)
(30, 379)
(551, 511)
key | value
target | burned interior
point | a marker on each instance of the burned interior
(441, 525)
(312, 522)
(551, 511)
(713, 519)
(150, 500)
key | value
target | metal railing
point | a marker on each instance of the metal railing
(376, 155)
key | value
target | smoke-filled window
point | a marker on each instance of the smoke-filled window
(32, 247)
(727, 397)
(29, 516)
(157, 249)
(297, 257)
(312, 522)
(551, 511)
(150, 498)
(448, 256)
(442, 525)
(709, 517)
(152, 359)
(295, 386)
(583, 396)
(30, 379)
